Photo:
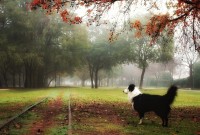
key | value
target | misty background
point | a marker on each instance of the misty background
(37, 50)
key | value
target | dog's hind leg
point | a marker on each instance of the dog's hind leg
(141, 115)
(164, 117)
(165, 121)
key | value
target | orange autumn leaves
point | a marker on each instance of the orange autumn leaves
(68, 19)
(57, 4)
(138, 26)
(183, 13)
(187, 7)
(45, 4)
(153, 28)
(156, 25)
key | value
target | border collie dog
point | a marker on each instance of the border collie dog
(143, 103)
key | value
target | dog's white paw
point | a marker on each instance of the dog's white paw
(140, 122)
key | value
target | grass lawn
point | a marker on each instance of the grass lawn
(103, 111)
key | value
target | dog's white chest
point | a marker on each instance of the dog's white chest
(134, 93)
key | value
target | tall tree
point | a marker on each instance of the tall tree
(188, 58)
(104, 55)
(83, 74)
(143, 54)
(196, 75)
(98, 58)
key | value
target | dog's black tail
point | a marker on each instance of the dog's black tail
(171, 94)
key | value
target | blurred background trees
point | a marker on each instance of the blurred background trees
(37, 50)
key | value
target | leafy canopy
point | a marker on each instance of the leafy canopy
(184, 13)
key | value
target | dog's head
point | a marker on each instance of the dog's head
(130, 88)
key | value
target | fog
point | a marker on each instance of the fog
(37, 51)
(157, 75)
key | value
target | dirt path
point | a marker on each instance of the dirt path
(52, 109)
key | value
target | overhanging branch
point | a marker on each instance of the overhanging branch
(183, 15)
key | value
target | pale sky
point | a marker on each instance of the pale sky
(136, 9)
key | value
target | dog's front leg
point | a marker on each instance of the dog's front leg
(141, 115)
(141, 121)
(133, 105)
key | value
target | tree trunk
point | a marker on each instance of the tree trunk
(5, 79)
(23, 78)
(142, 77)
(0, 84)
(19, 79)
(13, 78)
(100, 82)
(28, 83)
(191, 76)
(96, 79)
(42, 80)
(108, 80)
(92, 81)
(33, 76)
(91, 76)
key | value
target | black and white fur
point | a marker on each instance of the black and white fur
(143, 103)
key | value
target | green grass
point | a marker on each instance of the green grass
(60, 127)
(15, 100)
(18, 127)
(184, 98)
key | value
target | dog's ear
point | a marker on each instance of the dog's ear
(131, 87)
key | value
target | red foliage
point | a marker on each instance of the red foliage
(64, 15)
(184, 9)
(153, 28)
(156, 25)
(36, 2)
(77, 20)
(44, 6)
(137, 25)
